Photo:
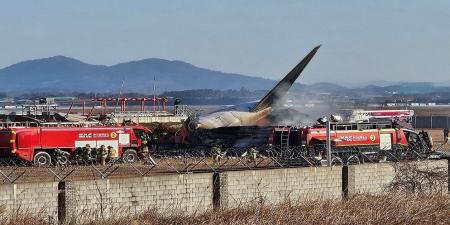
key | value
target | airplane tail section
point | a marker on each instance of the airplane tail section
(283, 86)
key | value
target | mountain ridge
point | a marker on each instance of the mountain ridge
(62, 73)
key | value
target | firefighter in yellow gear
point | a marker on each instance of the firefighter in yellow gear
(112, 153)
(253, 154)
(145, 141)
(103, 154)
(217, 153)
(87, 151)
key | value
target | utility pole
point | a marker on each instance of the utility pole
(447, 122)
(119, 98)
(328, 143)
(154, 94)
(431, 120)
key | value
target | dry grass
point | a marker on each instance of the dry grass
(360, 209)
(419, 178)
(20, 217)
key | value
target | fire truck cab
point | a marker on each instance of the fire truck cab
(42, 145)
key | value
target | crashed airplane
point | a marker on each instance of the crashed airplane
(249, 114)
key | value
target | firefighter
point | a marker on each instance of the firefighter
(103, 154)
(59, 155)
(154, 143)
(112, 153)
(446, 135)
(176, 104)
(217, 153)
(145, 138)
(79, 153)
(395, 123)
(87, 151)
(253, 154)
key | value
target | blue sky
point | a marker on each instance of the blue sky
(362, 40)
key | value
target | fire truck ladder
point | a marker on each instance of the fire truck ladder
(284, 138)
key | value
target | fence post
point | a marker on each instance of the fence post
(345, 181)
(66, 203)
(431, 121)
(216, 191)
(447, 121)
(328, 143)
(61, 202)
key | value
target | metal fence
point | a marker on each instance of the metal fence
(195, 161)
(431, 122)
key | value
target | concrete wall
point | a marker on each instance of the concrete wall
(114, 197)
(369, 178)
(374, 178)
(197, 192)
(30, 198)
(277, 185)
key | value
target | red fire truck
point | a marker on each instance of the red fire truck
(353, 140)
(40, 144)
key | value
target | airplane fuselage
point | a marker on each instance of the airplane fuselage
(228, 118)
(249, 114)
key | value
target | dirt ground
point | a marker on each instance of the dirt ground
(438, 140)
(26, 174)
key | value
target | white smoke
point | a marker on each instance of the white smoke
(297, 110)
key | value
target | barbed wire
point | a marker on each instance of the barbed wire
(192, 160)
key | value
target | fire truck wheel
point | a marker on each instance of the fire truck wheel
(42, 159)
(130, 156)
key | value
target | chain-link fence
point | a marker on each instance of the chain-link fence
(200, 160)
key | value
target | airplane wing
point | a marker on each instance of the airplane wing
(283, 86)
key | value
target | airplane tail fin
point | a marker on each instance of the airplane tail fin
(283, 86)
